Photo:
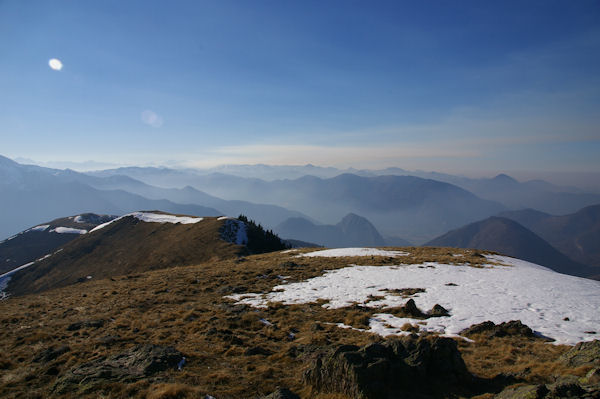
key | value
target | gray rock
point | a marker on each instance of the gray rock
(282, 393)
(397, 368)
(584, 353)
(136, 363)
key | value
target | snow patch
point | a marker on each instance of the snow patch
(234, 231)
(68, 230)
(79, 219)
(41, 227)
(150, 217)
(515, 290)
(339, 252)
(5, 278)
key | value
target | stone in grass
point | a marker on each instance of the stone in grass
(282, 393)
(508, 329)
(136, 363)
(50, 354)
(404, 367)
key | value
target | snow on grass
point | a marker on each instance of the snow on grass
(5, 278)
(234, 231)
(41, 227)
(339, 252)
(151, 217)
(68, 230)
(516, 290)
(287, 251)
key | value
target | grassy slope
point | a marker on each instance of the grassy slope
(126, 246)
(184, 307)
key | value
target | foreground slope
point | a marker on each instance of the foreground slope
(135, 243)
(45, 238)
(94, 339)
(510, 238)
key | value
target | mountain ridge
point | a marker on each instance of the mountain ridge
(509, 237)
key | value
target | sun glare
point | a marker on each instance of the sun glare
(55, 64)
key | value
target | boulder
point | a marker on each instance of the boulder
(397, 368)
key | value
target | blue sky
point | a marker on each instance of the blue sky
(456, 86)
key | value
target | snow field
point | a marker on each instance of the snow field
(339, 252)
(516, 290)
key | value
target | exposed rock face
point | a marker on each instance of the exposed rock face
(507, 329)
(135, 363)
(398, 368)
(584, 353)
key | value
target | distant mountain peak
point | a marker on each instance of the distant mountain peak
(508, 237)
(502, 177)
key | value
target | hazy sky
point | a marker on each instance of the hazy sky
(450, 85)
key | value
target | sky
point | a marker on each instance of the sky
(454, 86)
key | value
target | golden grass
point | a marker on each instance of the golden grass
(184, 307)
(534, 360)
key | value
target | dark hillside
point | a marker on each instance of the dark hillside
(510, 238)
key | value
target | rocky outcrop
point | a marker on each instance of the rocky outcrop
(397, 368)
(490, 330)
(136, 363)
(584, 353)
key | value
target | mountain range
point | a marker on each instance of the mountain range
(536, 194)
(392, 208)
(32, 193)
(404, 206)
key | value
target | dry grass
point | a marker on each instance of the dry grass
(184, 307)
(533, 360)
